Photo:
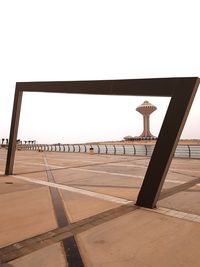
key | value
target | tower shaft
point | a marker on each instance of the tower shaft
(146, 124)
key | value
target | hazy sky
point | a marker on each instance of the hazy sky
(94, 40)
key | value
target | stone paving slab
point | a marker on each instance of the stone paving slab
(187, 201)
(25, 214)
(79, 207)
(142, 239)
(117, 191)
(51, 256)
(10, 184)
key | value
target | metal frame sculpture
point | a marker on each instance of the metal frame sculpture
(181, 90)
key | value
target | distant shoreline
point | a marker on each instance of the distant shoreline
(148, 142)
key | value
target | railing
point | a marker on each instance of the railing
(182, 151)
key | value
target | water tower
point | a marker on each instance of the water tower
(146, 109)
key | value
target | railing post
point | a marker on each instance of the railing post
(85, 148)
(189, 150)
(124, 149)
(106, 149)
(134, 149)
(73, 148)
(114, 149)
(145, 149)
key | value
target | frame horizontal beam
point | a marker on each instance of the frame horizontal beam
(137, 87)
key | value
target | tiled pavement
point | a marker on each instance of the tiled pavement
(98, 193)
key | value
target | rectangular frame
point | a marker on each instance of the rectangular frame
(181, 90)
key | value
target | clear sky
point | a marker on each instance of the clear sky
(94, 40)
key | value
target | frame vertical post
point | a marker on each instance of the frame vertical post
(170, 132)
(13, 131)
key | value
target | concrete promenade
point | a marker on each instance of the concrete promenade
(61, 203)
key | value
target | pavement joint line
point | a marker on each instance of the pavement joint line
(116, 174)
(129, 175)
(99, 163)
(179, 188)
(39, 164)
(83, 191)
(111, 163)
(75, 190)
(186, 159)
(111, 173)
(175, 213)
(27, 246)
(145, 167)
(190, 175)
(175, 169)
(128, 165)
(175, 181)
(136, 157)
(95, 163)
(69, 244)
(125, 175)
